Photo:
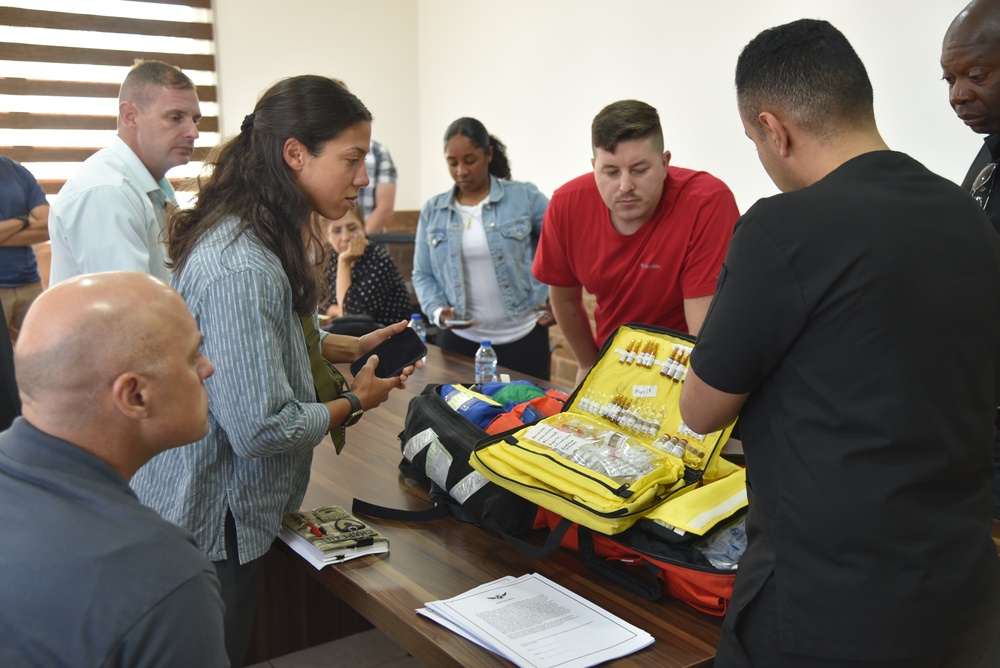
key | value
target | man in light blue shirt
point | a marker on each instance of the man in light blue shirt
(110, 215)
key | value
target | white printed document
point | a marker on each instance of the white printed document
(536, 623)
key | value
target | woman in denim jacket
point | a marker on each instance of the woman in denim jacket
(474, 249)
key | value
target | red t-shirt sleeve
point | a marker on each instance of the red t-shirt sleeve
(714, 223)
(552, 264)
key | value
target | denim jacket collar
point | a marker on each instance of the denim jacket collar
(496, 194)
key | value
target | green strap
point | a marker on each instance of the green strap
(328, 380)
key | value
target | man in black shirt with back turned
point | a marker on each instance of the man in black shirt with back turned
(855, 331)
(970, 60)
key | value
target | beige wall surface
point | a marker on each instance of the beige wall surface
(371, 45)
(536, 71)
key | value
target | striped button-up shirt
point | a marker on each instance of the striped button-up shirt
(263, 415)
(380, 169)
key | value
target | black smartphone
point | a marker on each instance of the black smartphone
(394, 354)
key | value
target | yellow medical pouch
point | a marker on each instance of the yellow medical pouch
(620, 450)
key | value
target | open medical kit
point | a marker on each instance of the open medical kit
(442, 426)
(618, 476)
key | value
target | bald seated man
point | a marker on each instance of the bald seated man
(110, 374)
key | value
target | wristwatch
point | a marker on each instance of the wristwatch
(25, 222)
(356, 410)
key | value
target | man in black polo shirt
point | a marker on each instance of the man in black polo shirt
(855, 331)
(970, 60)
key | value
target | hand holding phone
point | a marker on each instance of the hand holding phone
(448, 320)
(394, 354)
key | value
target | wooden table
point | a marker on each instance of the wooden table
(440, 559)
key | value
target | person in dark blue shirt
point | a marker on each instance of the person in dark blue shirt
(24, 221)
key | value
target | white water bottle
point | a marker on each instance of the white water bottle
(486, 364)
(417, 325)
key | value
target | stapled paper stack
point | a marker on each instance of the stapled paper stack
(534, 623)
(330, 535)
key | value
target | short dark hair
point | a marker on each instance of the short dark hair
(476, 132)
(147, 75)
(810, 71)
(625, 120)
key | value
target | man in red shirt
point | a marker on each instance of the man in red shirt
(645, 240)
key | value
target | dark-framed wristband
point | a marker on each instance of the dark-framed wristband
(356, 409)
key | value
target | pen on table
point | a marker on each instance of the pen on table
(316, 530)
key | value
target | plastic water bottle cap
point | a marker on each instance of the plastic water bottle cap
(415, 316)
(485, 343)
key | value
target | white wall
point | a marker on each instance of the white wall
(550, 66)
(536, 71)
(370, 45)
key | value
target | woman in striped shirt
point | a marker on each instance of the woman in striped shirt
(248, 263)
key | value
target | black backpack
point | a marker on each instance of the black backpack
(436, 443)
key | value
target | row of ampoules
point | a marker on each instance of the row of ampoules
(676, 366)
(680, 448)
(622, 412)
(643, 353)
